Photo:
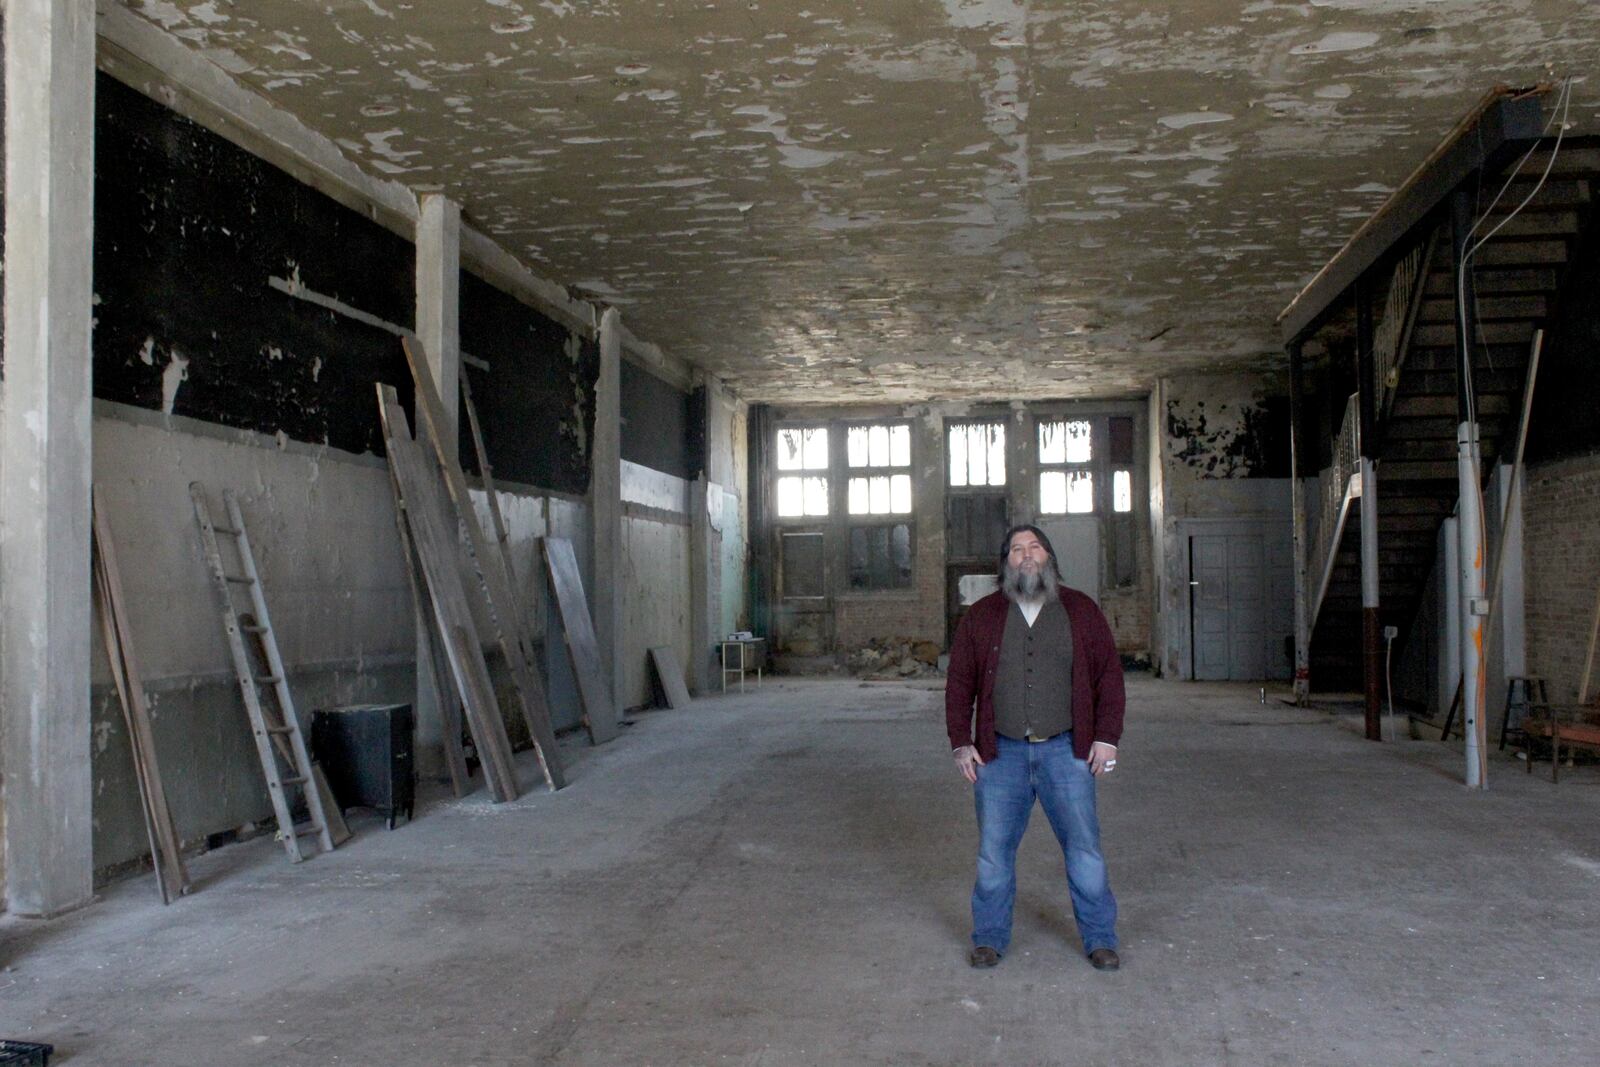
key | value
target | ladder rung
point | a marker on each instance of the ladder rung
(229, 530)
(253, 629)
(269, 679)
(301, 780)
(280, 729)
(241, 579)
(307, 831)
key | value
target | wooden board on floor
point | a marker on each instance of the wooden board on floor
(172, 877)
(599, 709)
(499, 596)
(437, 545)
(665, 661)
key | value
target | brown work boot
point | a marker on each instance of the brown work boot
(983, 956)
(1105, 959)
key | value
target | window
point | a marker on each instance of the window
(879, 459)
(883, 454)
(978, 454)
(1120, 430)
(880, 557)
(802, 450)
(1066, 475)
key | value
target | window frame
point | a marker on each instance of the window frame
(1005, 451)
(849, 472)
(1095, 466)
(825, 472)
(887, 519)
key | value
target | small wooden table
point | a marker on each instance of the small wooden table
(751, 653)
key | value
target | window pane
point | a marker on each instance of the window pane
(958, 455)
(977, 454)
(1053, 493)
(1052, 442)
(856, 445)
(791, 499)
(1080, 492)
(900, 446)
(880, 496)
(1121, 435)
(858, 496)
(1122, 491)
(900, 494)
(900, 554)
(859, 556)
(816, 490)
(1077, 442)
(816, 449)
(878, 451)
(790, 457)
(997, 455)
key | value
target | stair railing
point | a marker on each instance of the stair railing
(1341, 484)
(1391, 339)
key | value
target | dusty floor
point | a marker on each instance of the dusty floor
(782, 878)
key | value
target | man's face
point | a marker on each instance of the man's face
(1026, 554)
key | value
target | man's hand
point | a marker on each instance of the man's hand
(967, 762)
(1102, 758)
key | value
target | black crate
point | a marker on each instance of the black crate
(366, 752)
(24, 1054)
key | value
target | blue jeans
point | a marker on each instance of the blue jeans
(1007, 786)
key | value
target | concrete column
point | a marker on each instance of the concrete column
(705, 550)
(438, 242)
(605, 498)
(45, 612)
(705, 599)
(439, 299)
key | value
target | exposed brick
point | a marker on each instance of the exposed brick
(1561, 519)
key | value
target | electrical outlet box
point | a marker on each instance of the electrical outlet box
(1391, 632)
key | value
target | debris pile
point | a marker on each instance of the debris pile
(894, 657)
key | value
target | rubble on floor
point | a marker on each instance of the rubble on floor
(894, 657)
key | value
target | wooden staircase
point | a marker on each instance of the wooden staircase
(1518, 278)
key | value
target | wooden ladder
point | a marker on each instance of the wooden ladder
(279, 742)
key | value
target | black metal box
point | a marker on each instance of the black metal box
(366, 753)
(25, 1054)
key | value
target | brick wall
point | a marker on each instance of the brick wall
(1128, 612)
(916, 613)
(1561, 517)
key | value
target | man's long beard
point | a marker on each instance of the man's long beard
(1019, 584)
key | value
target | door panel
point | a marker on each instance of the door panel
(1247, 609)
(1208, 577)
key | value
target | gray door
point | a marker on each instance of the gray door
(1228, 586)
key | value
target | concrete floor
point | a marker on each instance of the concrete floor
(782, 878)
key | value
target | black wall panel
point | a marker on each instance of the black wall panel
(536, 401)
(657, 423)
(189, 228)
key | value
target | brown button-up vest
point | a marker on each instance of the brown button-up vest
(1033, 681)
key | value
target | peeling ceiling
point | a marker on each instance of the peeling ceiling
(903, 200)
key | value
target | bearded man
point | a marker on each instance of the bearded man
(1040, 663)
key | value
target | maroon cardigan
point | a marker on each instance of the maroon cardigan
(1097, 694)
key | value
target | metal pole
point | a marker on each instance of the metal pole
(1302, 609)
(1371, 629)
(1474, 604)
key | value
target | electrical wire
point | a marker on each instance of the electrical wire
(1562, 106)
